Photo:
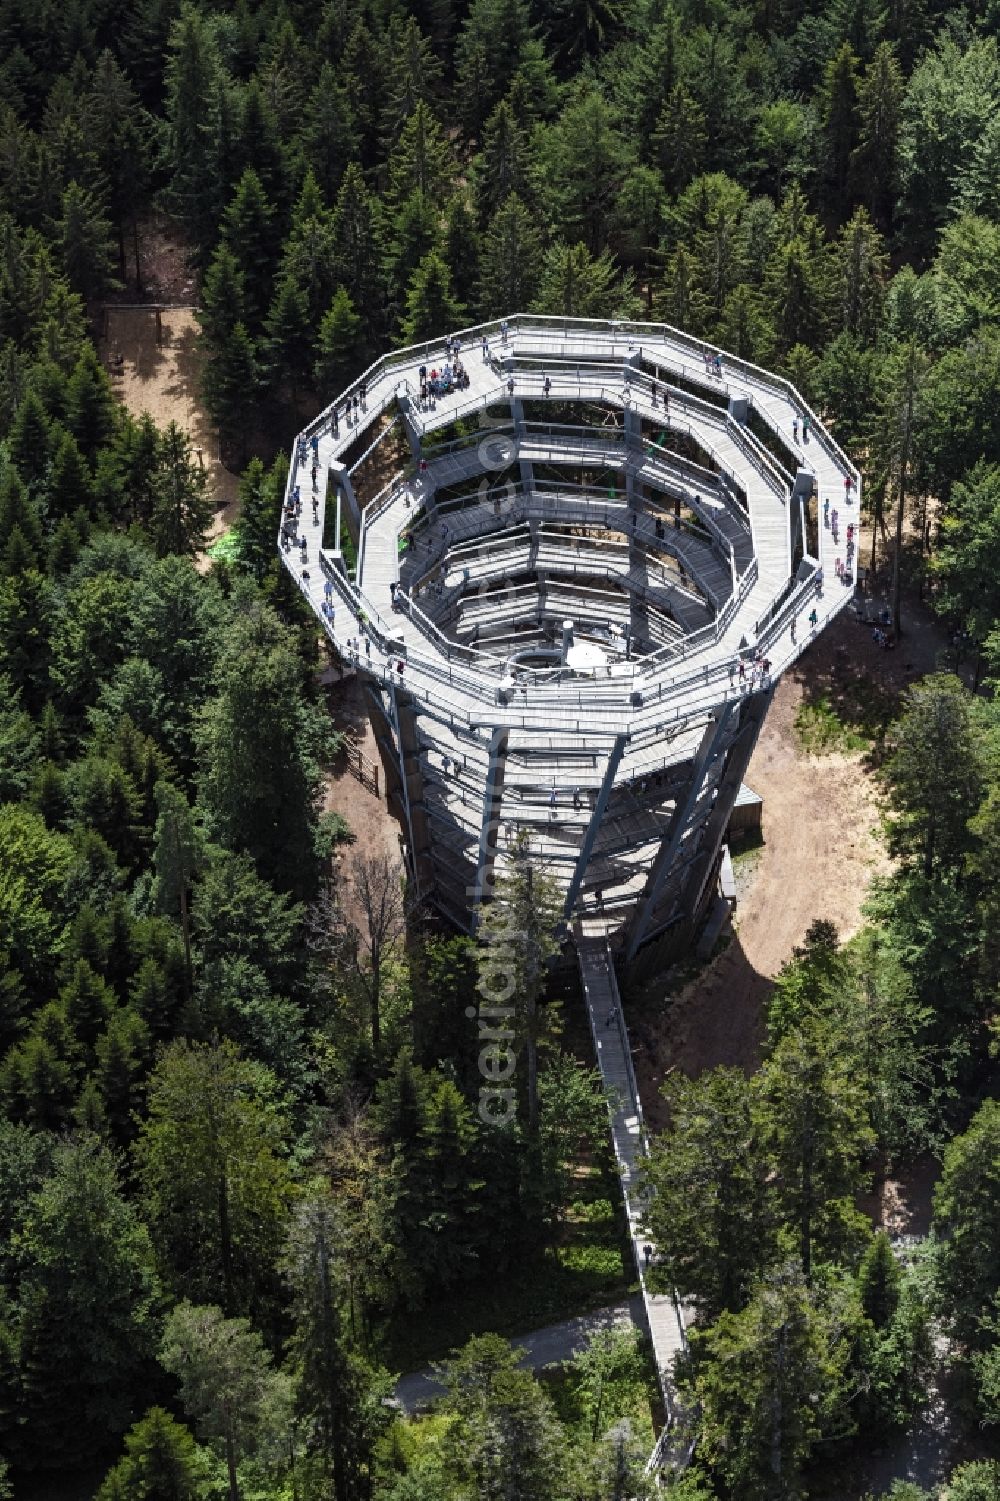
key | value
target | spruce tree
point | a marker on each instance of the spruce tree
(69, 481)
(338, 345)
(256, 145)
(223, 297)
(162, 1462)
(504, 163)
(358, 249)
(182, 508)
(328, 140)
(430, 303)
(87, 1308)
(839, 113)
(422, 160)
(876, 157)
(90, 404)
(193, 79)
(289, 337)
(510, 266)
(85, 242)
(28, 442)
(261, 496)
(249, 233)
(231, 384)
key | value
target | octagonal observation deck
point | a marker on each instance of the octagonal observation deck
(560, 576)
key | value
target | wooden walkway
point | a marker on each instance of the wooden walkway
(607, 1026)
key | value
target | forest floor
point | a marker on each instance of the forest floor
(161, 376)
(374, 830)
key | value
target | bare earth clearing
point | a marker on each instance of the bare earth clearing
(162, 379)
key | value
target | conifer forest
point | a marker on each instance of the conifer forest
(247, 1197)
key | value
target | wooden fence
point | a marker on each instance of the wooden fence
(361, 766)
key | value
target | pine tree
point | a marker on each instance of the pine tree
(430, 303)
(288, 337)
(249, 233)
(231, 385)
(422, 160)
(839, 114)
(327, 139)
(511, 263)
(338, 345)
(85, 241)
(223, 297)
(876, 158)
(358, 249)
(228, 1386)
(261, 496)
(182, 509)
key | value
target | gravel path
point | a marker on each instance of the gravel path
(544, 1347)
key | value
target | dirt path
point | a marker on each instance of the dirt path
(161, 378)
(375, 830)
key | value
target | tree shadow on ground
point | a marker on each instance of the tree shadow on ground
(696, 1016)
(132, 333)
(853, 687)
